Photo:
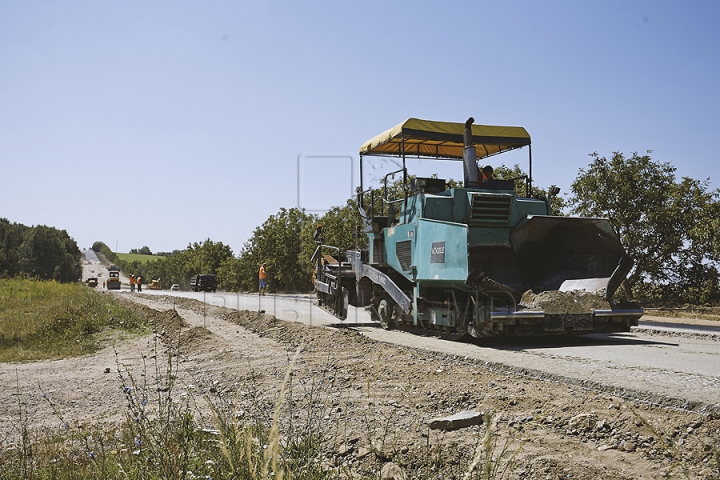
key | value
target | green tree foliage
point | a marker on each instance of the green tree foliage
(39, 252)
(141, 251)
(177, 266)
(11, 237)
(339, 226)
(238, 274)
(277, 242)
(100, 247)
(668, 227)
(172, 268)
(285, 242)
(205, 257)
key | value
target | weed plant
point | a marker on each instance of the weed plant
(166, 435)
(493, 461)
(677, 452)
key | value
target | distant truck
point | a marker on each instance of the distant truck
(92, 282)
(205, 282)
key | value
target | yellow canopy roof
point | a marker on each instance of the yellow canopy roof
(425, 138)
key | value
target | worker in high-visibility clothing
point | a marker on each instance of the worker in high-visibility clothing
(132, 283)
(485, 174)
(262, 277)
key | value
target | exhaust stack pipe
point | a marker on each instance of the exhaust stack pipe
(469, 156)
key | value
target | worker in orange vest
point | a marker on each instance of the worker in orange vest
(485, 174)
(262, 276)
(138, 281)
(132, 283)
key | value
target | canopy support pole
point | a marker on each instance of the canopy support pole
(529, 184)
(402, 146)
(359, 193)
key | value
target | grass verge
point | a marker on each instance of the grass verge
(49, 320)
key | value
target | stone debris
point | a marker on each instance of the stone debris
(584, 421)
(464, 419)
(392, 471)
(344, 449)
(627, 446)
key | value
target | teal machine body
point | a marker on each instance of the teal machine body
(478, 259)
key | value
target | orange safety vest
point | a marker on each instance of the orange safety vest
(132, 280)
(262, 274)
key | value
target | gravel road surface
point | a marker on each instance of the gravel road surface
(658, 365)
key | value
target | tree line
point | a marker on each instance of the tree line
(284, 242)
(669, 226)
(173, 267)
(41, 252)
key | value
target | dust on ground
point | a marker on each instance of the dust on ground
(375, 399)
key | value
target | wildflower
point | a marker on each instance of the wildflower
(66, 426)
(138, 441)
(92, 455)
(144, 402)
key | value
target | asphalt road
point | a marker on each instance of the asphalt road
(92, 267)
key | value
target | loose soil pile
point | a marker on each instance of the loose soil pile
(578, 301)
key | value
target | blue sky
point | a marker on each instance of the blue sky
(168, 122)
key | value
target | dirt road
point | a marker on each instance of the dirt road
(658, 366)
(377, 397)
